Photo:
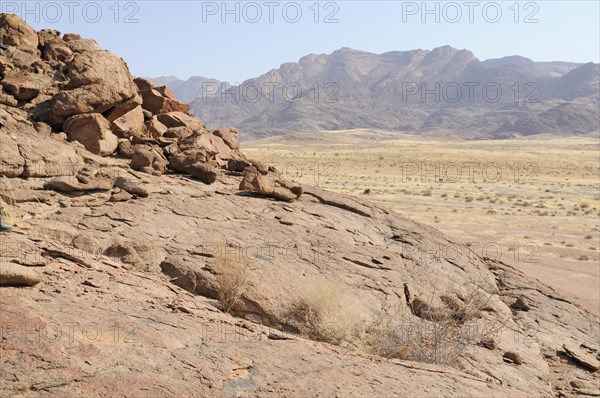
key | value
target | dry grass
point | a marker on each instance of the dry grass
(326, 314)
(386, 338)
(232, 278)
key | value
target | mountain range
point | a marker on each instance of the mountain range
(444, 91)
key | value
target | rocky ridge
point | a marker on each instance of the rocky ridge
(123, 205)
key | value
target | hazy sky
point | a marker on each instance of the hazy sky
(234, 41)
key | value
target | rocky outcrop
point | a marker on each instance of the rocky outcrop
(57, 84)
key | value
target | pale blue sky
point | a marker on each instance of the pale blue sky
(185, 38)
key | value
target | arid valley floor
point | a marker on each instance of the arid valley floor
(532, 202)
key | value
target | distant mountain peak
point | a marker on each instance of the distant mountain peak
(350, 88)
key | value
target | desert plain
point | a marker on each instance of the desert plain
(533, 203)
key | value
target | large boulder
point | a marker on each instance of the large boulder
(157, 103)
(93, 131)
(205, 172)
(143, 84)
(56, 52)
(148, 159)
(124, 107)
(129, 124)
(197, 163)
(271, 185)
(230, 136)
(82, 45)
(181, 119)
(155, 128)
(97, 82)
(179, 161)
(178, 133)
(211, 144)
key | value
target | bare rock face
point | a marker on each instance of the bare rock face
(27, 153)
(581, 356)
(93, 131)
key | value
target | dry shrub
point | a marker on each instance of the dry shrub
(326, 313)
(435, 335)
(232, 278)
(386, 338)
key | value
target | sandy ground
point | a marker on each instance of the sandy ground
(533, 202)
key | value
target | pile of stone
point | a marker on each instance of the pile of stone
(60, 90)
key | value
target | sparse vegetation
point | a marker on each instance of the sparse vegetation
(232, 278)
(541, 207)
(325, 313)
(438, 335)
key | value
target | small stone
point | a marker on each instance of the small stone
(577, 383)
(287, 220)
(17, 275)
(91, 283)
(520, 305)
(131, 187)
(512, 357)
(121, 196)
(184, 309)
